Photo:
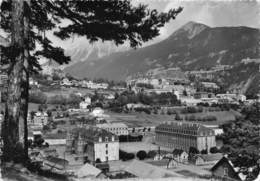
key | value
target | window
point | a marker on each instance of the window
(106, 139)
(106, 152)
(106, 145)
(225, 171)
(106, 158)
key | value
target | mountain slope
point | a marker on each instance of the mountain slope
(194, 46)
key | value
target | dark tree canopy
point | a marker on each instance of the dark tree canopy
(114, 20)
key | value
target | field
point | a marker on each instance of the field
(222, 116)
(143, 119)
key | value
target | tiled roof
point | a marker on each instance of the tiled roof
(93, 133)
(211, 157)
(177, 126)
(58, 161)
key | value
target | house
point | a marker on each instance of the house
(109, 96)
(98, 112)
(115, 128)
(83, 105)
(90, 172)
(224, 169)
(206, 159)
(93, 142)
(210, 85)
(36, 156)
(164, 163)
(163, 154)
(40, 118)
(180, 156)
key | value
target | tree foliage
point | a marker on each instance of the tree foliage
(115, 20)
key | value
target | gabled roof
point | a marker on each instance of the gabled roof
(240, 176)
(57, 161)
(88, 170)
(211, 157)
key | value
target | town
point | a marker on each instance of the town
(171, 123)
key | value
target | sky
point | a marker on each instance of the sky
(209, 12)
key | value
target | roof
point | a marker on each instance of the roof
(88, 170)
(225, 159)
(146, 170)
(57, 161)
(93, 133)
(211, 157)
(112, 125)
(176, 126)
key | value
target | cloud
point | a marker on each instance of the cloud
(215, 13)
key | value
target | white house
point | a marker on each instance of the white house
(40, 118)
(66, 82)
(94, 142)
(97, 112)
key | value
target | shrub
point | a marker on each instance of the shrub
(125, 156)
(151, 154)
(141, 155)
(214, 150)
(204, 152)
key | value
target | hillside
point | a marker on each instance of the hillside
(194, 46)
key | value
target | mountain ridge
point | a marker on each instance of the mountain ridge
(192, 47)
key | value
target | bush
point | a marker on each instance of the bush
(214, 150)
(125, 156)
(141, 155)
(193, 150)
(151, 154)
(204, 152)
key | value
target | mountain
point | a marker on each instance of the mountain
(192, 47)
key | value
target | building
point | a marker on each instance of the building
(93, 142)
(40, 118)
(206, 159)
(84, 104)
(225, 170)
(183, 135)
(3, 84)
(90, 172)
(210, 85)
(180, 156)
(115, 128)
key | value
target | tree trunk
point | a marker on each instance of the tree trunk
(23, 130)
(12, 147)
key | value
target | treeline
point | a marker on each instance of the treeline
(130, 138)
(41, 98)
(151, 99)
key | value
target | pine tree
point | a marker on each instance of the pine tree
(27, 21)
